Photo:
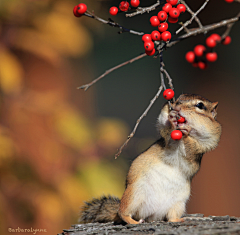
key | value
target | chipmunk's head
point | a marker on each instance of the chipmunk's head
(201, 116)
(200, 119)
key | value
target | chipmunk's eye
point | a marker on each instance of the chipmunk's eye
(200, 106)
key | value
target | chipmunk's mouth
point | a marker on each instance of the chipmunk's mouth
(179, 122)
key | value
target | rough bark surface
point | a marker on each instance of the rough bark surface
(194, 224)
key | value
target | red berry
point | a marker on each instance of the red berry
(123, 6)
(168, 94)
(229, 1)
(135, 3)
(150, 53)
(216, 37)
(162, 15)
(190, 56)
(181, 8)
(149, 46)
(202, 65)
(166, 36)
(199, 49)
(210, 42)
(163, 27)
(167, 7)
(75, 11)
(154, 21)
(146, 37)
(156, 36)
(172, 20)
(227, 40)
(176, 135)
(113, 11)
(174, 13)
(181, 120)
(82, 8)
(211, 56)
(172, 2)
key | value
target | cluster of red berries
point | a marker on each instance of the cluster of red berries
(201, 55)
(168, 12)
(124, 6)
(80, 9)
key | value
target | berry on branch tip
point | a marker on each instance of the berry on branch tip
(176, 135)
(124, 6)
(227, 40)
(167, 7)
(168, 94)
(181, 8)
(172, 2)
(156, 36)
(113, 11)
(162, 15)
(149, 45)
(199, 49)
(211, 56)
(146, 38)
(135, 3)
(202, 65)
(190, 56)
(75, 11)
(154, 21)
(181, 119)
(82, 8)
(174, 13)
(211, 42)
(163, 27)
(166, 36)
(172, 20)
(150, 53)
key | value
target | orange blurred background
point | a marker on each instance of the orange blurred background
(57, 143)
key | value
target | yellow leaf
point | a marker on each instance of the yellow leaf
(11, 72)
(111, 132)
(73, 128)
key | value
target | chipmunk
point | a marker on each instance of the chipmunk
(158, 181)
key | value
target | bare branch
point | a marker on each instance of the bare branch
(142, 10)
(209, 27)
(194, 16)
(85, 87)
(112, 23)
(139, 120)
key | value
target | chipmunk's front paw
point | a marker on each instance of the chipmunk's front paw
(172, 117)
(184, 128)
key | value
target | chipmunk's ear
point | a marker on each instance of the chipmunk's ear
(214, 110)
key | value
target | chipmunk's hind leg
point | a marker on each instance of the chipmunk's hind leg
(175, 213)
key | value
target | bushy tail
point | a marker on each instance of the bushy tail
(102, 210)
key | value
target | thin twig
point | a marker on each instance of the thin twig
(85, 87)
(139, 120)
(141, 10)
(194, 16)
(112, 23)
(192, 13)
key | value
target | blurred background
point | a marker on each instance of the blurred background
(57, 143)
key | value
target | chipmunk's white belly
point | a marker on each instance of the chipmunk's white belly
(159, 190)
